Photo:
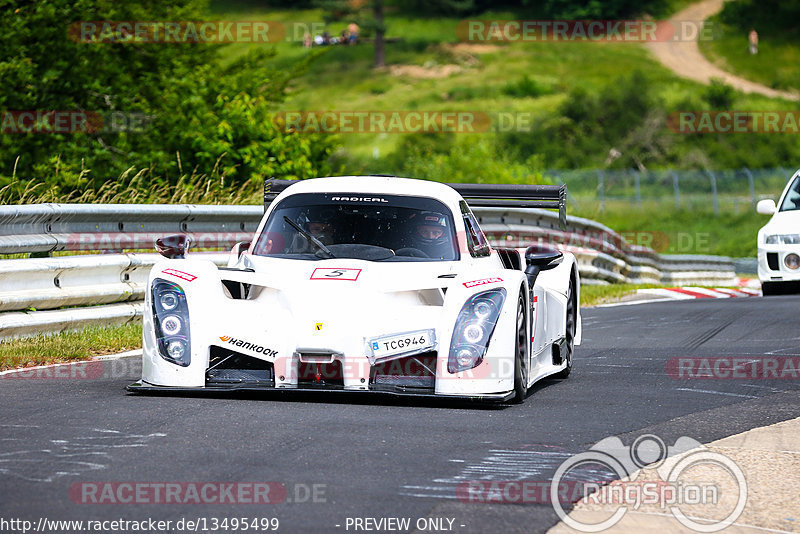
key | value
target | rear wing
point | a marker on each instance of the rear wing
(479, 195)
(516, 196)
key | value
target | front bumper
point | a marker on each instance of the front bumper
(494, 398)
(771, 266)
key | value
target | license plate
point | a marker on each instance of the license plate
(418, 341)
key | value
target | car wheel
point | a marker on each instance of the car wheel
(572, 322)
(521, 354)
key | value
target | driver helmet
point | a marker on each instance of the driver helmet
(430, 228)
(320, 224)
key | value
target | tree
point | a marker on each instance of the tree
(368, 14)
(197, 111)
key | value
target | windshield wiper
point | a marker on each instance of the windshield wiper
(310, 238)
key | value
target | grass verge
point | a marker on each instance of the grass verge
(69, 346)
(670, 231)
(592, 295)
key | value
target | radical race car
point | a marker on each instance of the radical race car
(368, 284)
(779, 241)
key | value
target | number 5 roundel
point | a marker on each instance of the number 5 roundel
(335, 273)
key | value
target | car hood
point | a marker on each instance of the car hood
(783, 222)
(320, 304)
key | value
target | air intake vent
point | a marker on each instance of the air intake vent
(229, 368)
(772, 260)
(414, 372)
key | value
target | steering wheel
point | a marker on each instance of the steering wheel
(411, 251)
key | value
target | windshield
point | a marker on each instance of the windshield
(361, 226)
(792, 199)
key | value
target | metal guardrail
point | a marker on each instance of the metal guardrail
(46, 295)
(37, 228)
(602, 254)
(51, 294)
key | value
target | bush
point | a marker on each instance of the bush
(207, 115)
(719, 95)
(526, 87)
(467, 159)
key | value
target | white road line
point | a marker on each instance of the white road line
(717, 392)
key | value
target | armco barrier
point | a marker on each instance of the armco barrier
(46, 295)
(108, 288)
(116, 227)
(602, 254)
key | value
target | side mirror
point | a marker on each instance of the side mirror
(538, 259)
(541, 258)
(237, 251)
(766, 207)
(173, 247)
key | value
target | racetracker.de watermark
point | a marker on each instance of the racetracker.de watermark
(72, 122)
(735, 368)
(203, 493)
(397, 122)
(626, 242)
(616, 31)
(119, 241)
(728, 122)
(180, 31)
(87, 370)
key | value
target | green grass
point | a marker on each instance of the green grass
(69, 346)
(670, 231)
(776, 65)
(343, 78)
(592, 295)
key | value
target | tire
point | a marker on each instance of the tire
(521, 354)
(572, 323)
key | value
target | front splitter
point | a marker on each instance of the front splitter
(144, 387)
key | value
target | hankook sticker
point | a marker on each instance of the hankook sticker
(249, 346)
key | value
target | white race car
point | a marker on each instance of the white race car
(368, 284)
(779, 241)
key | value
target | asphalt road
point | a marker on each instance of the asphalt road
(392, 459)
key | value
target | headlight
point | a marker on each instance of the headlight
(176, 349)
(474, 328)
(792, 261)
(168, 301)
(473, 333)
(171, 325)
(782, 239)
(171, 322)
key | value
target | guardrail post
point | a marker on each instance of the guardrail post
(601, 193)
(751, 184)
(714, 191)
(677, 190)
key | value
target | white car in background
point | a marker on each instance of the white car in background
(779, 241)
